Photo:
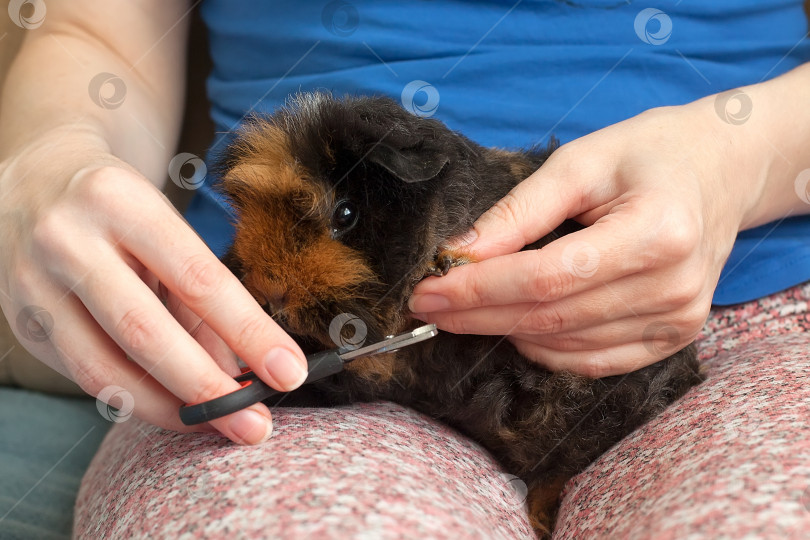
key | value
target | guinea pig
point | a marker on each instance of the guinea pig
(341, 207)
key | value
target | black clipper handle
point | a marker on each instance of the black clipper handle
(319, 365)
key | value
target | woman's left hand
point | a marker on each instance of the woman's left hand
(662, 196)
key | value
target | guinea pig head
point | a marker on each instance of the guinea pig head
(340, 207)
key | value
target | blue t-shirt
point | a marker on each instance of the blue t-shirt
(512, 74)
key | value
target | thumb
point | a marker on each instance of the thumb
(531, 210)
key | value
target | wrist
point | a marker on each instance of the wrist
(762, 135)
(52, 156)
(63, 139)
(735, 166)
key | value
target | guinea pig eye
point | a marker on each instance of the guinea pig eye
(344, 217)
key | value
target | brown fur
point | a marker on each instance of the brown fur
(378, 370)
(542, 500)
(447, 258)
(274, 206)
(517, 167)
(412, 184)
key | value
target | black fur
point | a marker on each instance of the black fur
(543, 426)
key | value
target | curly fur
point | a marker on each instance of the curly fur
(416, 183)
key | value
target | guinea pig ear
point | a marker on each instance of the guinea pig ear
(409, 165)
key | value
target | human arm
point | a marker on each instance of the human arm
(664, 195)
(87, 235)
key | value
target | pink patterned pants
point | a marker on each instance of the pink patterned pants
(730, 459)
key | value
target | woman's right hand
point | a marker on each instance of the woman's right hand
(106, 283)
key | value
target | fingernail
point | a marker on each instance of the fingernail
(421, 303)
(462, 240)
(419, 316)
(286, 368)
(250, 427)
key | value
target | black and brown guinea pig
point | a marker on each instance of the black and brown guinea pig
(342, 206)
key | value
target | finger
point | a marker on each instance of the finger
(187, 268)
(613, 333)
(537, 206)
(190, 321)
(216, 347)
(541, 321)
(143, 273)
(202, 333)
(78, 348)
(141, 326)
(604, 252)
(602, 362)
(677, 327)
(634, 296)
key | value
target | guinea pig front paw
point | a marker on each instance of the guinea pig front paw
(446, 259)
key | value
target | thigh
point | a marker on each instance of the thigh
(46, 444)
(729, 460)
(366, 471)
